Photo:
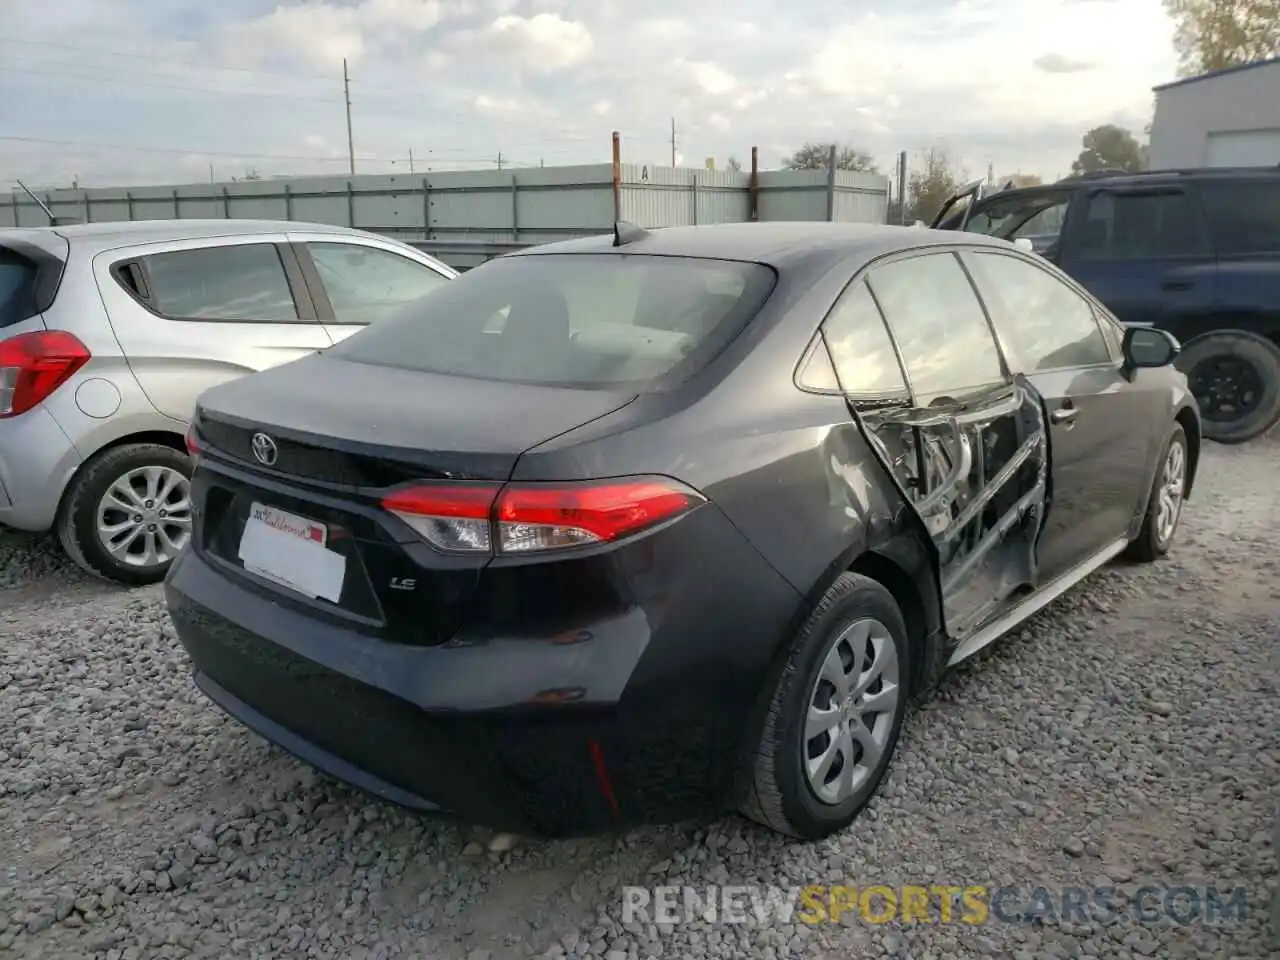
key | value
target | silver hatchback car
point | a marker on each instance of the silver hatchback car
(109, 332)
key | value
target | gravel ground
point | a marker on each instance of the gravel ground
(1129, 734)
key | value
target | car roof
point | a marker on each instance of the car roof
(125, 233)
(1144, 178)
(777, 243)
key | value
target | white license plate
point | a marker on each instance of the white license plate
(291, 551)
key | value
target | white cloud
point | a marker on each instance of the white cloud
(543, 43)
(1004, 81)
(713, 79)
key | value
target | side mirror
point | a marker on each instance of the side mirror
(1149, 347)
(1024, 244)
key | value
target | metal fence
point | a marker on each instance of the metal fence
(466, 211)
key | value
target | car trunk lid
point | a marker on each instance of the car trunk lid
(303, 517)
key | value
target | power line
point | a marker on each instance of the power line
(132, 82)
(101, 51)
(179, 151)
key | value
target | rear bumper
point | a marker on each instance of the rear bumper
(625, 724)
(36, 460)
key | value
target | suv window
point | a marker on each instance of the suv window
(860, 346)
(1039, 216)
(235, 282)
(575, 320)
(17, 287)
(366, 283)
(1136, 226)
(1042, 322)
(941, 329)
(1243, 217)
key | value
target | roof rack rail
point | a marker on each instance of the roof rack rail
(1167, 172)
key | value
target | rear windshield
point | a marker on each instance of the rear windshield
(573, 320)
(17, 288)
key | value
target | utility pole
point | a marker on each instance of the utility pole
(499, 159)
(410, 161)
(346, 93)
(673, 141)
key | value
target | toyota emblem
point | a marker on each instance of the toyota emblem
(265, 450)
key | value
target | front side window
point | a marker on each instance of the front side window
(860, 347)
(1244, 218)
(235, 282)
(938, 322)
(579, 320)
(1042, 322)
(367, 283)
(1136, 226)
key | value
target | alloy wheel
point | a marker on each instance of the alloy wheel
(851, 711)
(144, 518)
(1172, 485)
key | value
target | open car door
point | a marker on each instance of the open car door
(952, 210)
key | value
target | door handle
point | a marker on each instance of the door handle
(1177, 284)
(1064, 414)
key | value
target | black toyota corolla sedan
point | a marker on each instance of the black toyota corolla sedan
(660, 524)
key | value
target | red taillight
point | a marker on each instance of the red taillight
(193, 445)
(537, 517)
(33, 365)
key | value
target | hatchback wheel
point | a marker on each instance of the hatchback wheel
(835, 715)
(1164, 509)
(127, 514)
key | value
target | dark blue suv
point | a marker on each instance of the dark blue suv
(1193, 252)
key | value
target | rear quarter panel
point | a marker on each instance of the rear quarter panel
(790, 470)
(175, 361)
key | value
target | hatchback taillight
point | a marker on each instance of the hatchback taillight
(34, 365)
(538, 517)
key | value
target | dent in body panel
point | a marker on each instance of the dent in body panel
(976, 474)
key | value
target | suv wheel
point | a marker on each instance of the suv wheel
(836, 713)
(1235, 377)
(127, 513)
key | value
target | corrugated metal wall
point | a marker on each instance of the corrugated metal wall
(535, 205)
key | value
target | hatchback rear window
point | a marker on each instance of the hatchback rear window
(574, 320)
(17, 288)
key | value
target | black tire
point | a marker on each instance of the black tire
(781, 796)
(1239, 346)
(1150, 545)
(77, 524)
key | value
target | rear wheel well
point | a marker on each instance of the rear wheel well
(906, 593)
(1187, 420)
(163, 438)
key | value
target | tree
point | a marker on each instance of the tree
(929, 187)
(1215, 34)
(815, 156)
(734, 164)
(1021, 180)
(1108, 147)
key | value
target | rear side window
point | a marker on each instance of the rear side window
(860, 347)
(942, 332)
(1137, 226)
(236, 282)
(584, 320)
(1243, 217)
(17, 288)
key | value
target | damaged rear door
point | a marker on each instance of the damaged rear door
(969, 446)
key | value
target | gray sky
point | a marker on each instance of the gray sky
(145, 91)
